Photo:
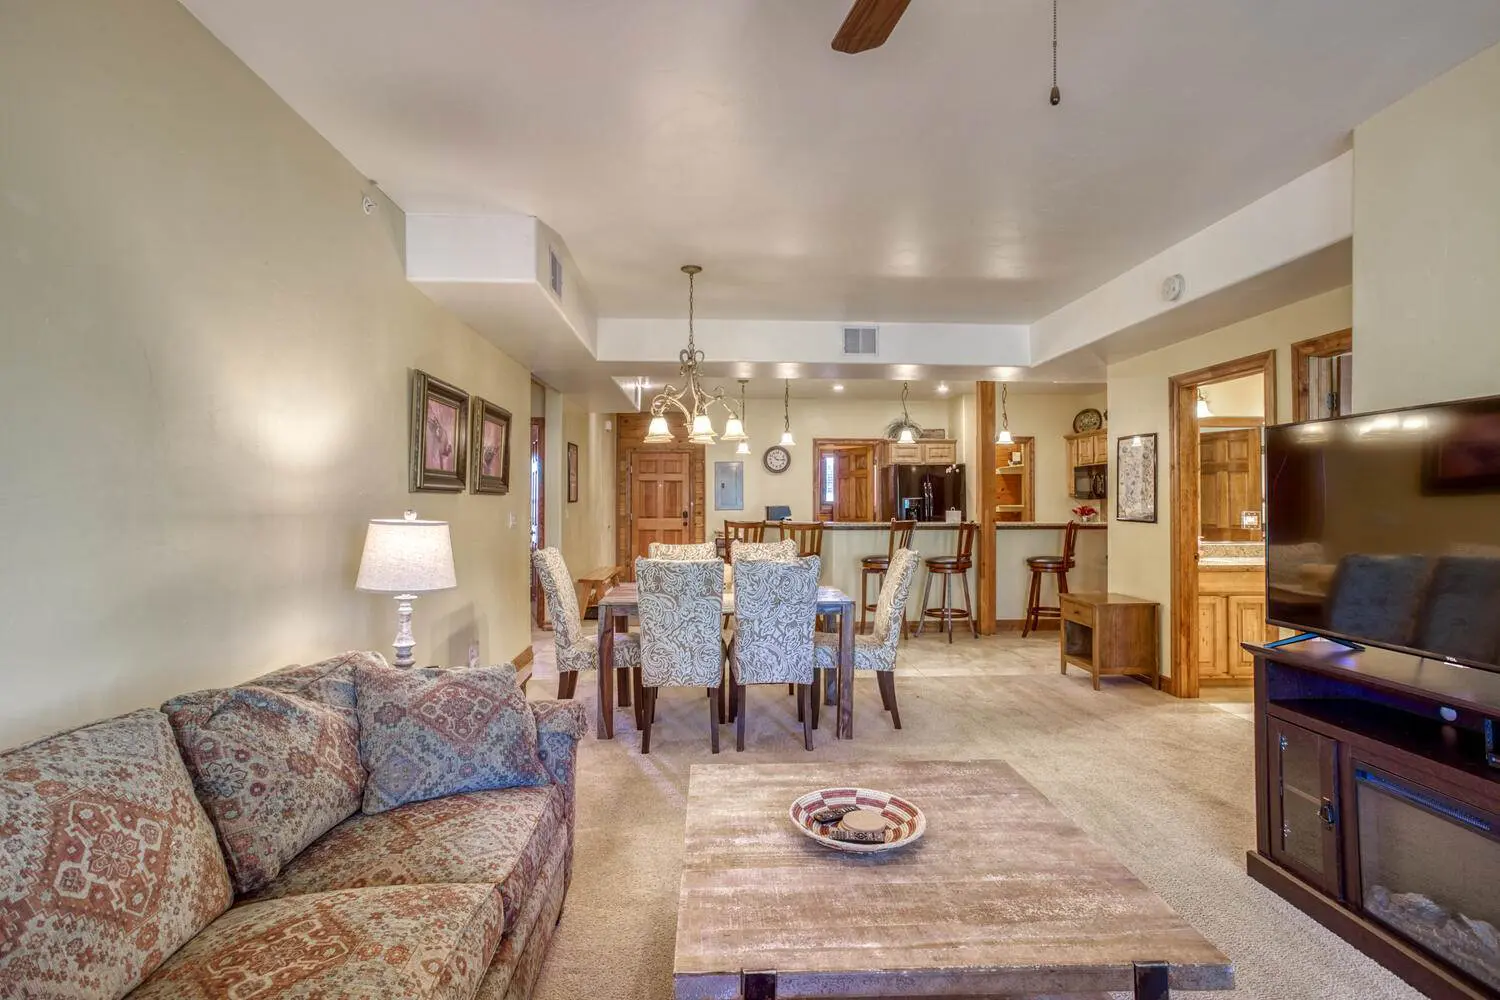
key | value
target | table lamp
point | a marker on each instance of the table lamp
(404, 558)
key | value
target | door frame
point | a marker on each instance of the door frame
(1185, 502)
(847, 444)
(1329, 345)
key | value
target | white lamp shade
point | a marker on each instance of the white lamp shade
(1004, 437)
(658, 432)
(1202, 408)
(906, 436)
(406, 556)
(734, 429)
(743, 448)
(787, 440)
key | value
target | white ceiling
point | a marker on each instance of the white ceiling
(928, 180)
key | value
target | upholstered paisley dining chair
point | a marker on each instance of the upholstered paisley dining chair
(576, 648)
(775, 604)
(681, 644)
(782, 551)
(692, 550)
(877, 651)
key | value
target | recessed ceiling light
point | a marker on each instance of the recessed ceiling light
(838, 387)
(942, 388)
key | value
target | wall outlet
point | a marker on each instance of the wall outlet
(510, 520)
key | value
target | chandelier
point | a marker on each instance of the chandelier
(691, 399)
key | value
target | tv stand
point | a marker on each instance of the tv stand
(1292, 640)
(1377, 801)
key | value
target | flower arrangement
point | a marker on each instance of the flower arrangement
(1086, 513)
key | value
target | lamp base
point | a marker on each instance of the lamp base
(405, 641)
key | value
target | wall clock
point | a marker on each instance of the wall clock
(776, 459)
(1087, 420)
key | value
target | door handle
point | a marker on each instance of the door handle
(1326, 814)
(684, 517)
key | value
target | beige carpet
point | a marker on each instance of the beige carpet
(1164, 784)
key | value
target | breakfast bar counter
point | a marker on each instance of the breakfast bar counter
(845, 543)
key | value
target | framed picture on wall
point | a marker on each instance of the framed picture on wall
(572, 472)
(490, 454)
(1135, 478)
(439, 435)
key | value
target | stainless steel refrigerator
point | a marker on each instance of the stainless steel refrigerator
(922, 492)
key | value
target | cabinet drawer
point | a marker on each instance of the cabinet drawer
(1072, 611)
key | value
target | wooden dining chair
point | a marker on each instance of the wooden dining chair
(807, 534)
(743, 531)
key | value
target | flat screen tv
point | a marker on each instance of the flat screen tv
(1384, 529)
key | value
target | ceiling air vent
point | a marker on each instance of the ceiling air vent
(861, 339)
(556, 279)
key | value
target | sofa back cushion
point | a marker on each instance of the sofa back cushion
(110, 864)
(274, 770)
(427, 731)
(328, 682)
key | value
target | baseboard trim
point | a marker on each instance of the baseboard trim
(1016, 624)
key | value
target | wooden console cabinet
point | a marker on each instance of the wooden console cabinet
(1110, 634)
(1231, 613)
(1378, 806)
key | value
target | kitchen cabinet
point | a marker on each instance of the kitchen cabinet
(1231, 611)
(1086, 452)
(936, 452)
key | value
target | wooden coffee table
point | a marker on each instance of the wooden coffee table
(1003, 896)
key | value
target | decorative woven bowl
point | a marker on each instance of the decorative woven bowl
(906, 823)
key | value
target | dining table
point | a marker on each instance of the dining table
(623, 599)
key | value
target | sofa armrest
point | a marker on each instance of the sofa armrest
(559, 727)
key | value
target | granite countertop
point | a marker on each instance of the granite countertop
(1231, 555)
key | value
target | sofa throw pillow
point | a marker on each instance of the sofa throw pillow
(329, 682)
(425, 732)
(109, 863)
(274, 771)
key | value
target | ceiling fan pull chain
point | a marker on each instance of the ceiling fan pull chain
(1056, 94)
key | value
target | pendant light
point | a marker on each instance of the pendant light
(786, 415)
(903, 430)
(691, 400)
(1202, 409)
(1004, 436)
(743, 448)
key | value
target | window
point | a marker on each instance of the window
(830, 476)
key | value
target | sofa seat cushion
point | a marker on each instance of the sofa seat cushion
(427, 732)
(498, 838)
(417, 942)
(109, 863)
(275, 771)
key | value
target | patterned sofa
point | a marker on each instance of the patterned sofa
(115, 881)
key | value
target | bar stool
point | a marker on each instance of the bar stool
(948, 567)
(877, 566)
(1035, 609)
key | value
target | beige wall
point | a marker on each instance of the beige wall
(203, 381)
(1427, 242)
(1140, 554)
(1241, 397)
(588, 538)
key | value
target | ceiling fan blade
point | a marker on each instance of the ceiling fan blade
(869, 24)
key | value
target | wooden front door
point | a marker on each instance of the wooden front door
(660, 500)
(844, 481)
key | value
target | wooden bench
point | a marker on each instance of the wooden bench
(594, 584)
